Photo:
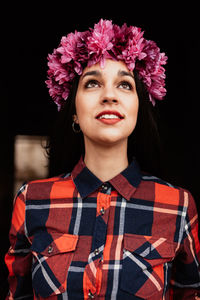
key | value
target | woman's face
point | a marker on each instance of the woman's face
(107, 103)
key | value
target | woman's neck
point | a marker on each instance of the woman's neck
(106, 163)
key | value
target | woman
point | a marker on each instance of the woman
(104, 229)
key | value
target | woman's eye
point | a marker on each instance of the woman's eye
(125, 85)
(92, 84)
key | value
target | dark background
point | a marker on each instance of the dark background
(29, 33)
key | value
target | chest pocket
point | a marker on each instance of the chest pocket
(51, 265)
(143, 265)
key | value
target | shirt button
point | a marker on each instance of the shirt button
(102, 211)
(105, 186)
(96, 251)
(50, 249)
(91, 296)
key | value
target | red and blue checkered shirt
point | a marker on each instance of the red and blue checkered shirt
(76, 237)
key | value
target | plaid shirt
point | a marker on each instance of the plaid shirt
(133, 237)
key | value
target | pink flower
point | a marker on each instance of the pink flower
(128, 45)
(100, 42)
(105, 40)
(58, 92)
(59, 78)
(151, 71)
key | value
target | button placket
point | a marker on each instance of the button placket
(103, 201)
(99, 234)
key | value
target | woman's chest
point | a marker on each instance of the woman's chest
(100, 245)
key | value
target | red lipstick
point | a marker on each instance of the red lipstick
(109, 117)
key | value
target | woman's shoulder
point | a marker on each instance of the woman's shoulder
(159, 183)
(52, 179)
(167, 192)
(42, 186)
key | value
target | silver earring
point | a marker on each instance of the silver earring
(74, 129)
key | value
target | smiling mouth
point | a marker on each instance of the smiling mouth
(109, 117)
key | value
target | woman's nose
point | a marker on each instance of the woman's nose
(109, 96)
(109, 100)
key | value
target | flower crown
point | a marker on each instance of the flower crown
(80, 49)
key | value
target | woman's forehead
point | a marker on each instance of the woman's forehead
(110, 66)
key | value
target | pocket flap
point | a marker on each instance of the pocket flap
(59, 243)
(149, 247)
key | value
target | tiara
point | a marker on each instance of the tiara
(105, 41)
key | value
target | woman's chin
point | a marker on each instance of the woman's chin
(110, 140)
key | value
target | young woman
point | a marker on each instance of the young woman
(104, 229)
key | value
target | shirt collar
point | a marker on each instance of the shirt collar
(125, 183)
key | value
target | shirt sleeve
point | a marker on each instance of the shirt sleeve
(19, 257)
(185, 283)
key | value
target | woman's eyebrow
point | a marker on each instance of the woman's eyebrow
(125, 73)
(98, 73)
(92, 73)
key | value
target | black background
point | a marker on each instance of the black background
(29, 32)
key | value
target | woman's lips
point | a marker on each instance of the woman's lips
(110, 121)
(109, 117)
(110, 113)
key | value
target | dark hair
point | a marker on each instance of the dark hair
(65, 147)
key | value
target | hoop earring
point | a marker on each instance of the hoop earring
(74, 129)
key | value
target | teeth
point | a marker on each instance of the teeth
(108, 117)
